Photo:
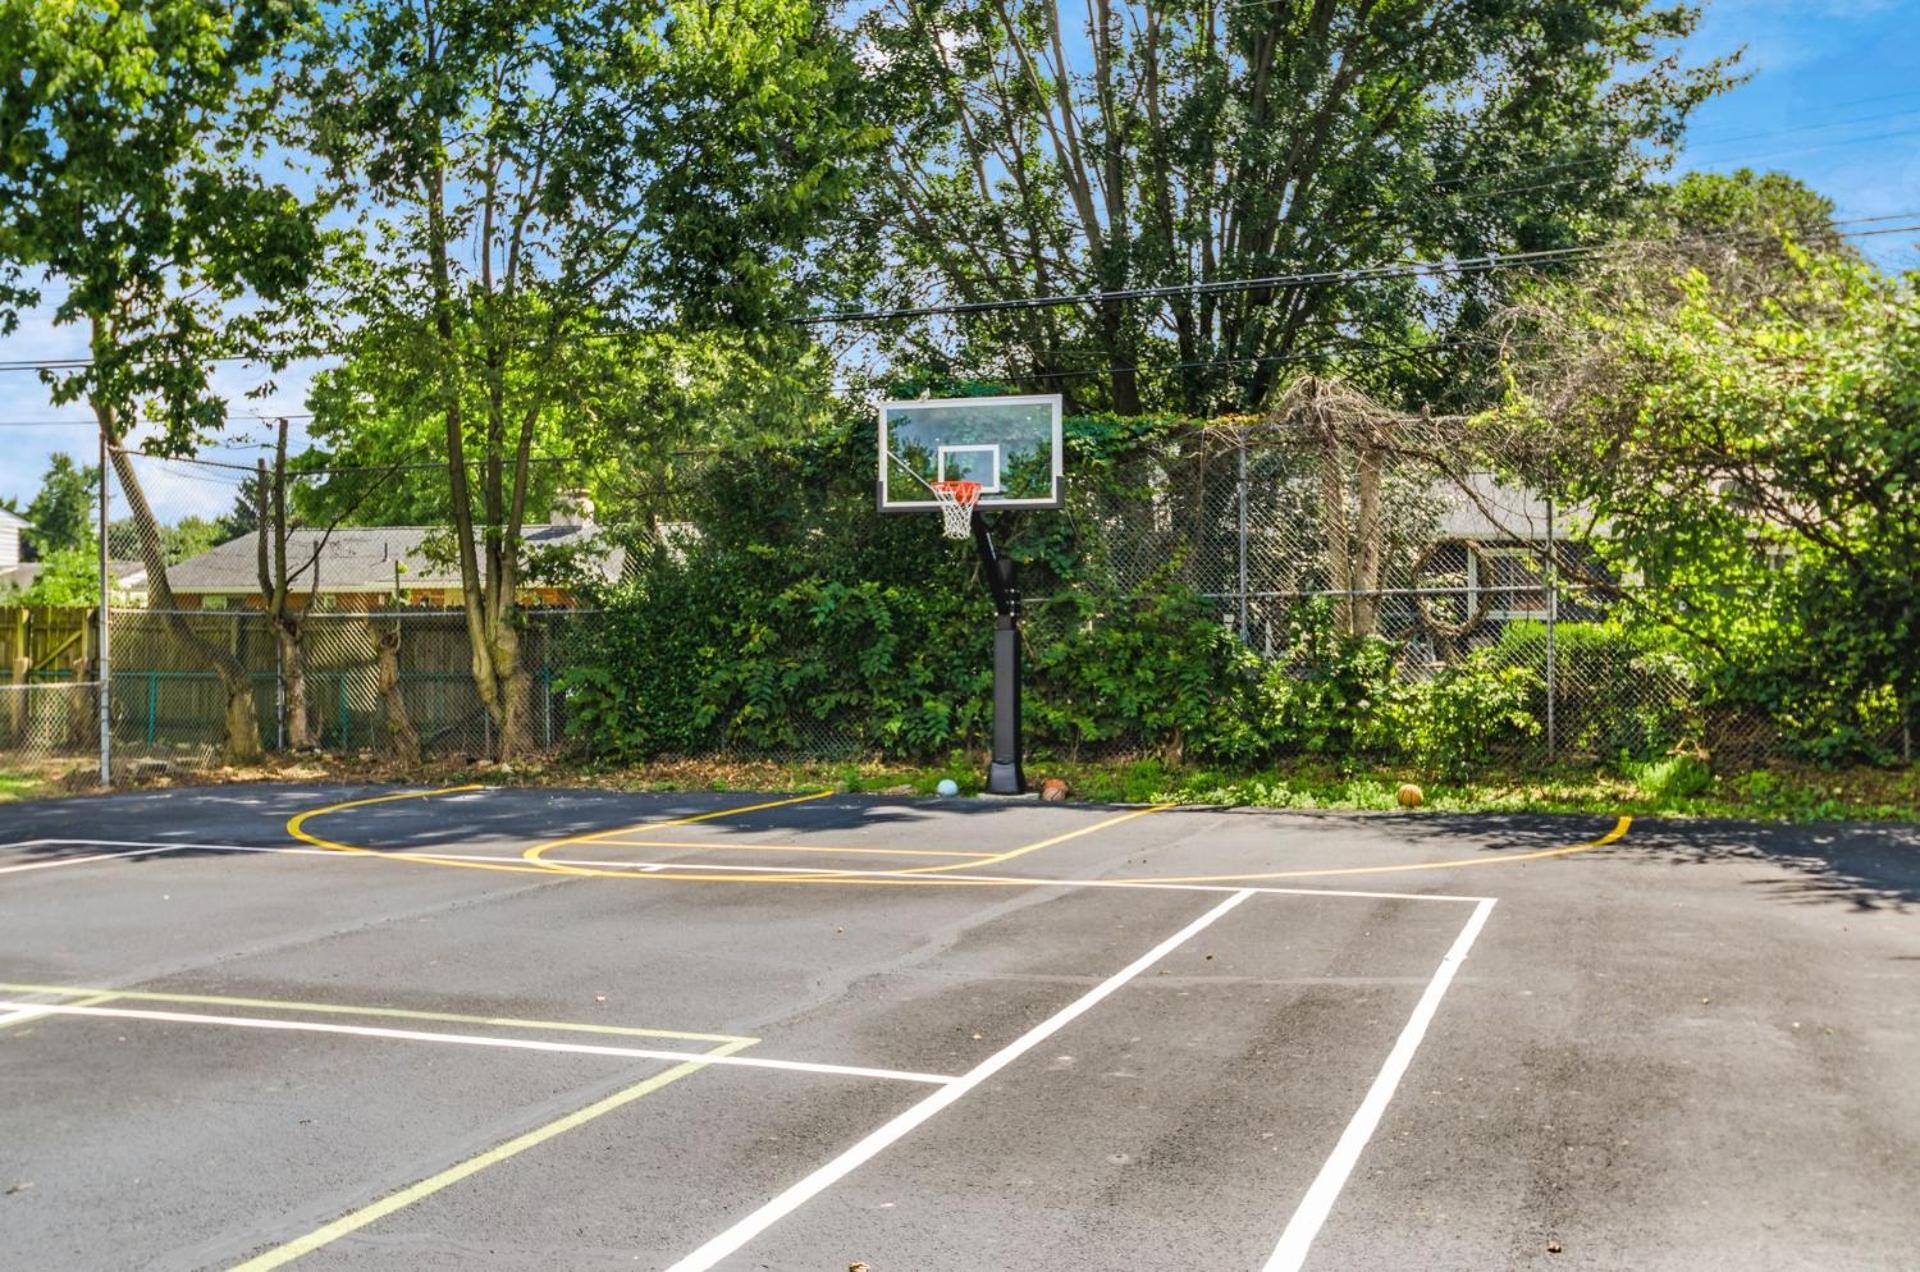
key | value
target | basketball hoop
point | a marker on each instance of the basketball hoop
(957, 499)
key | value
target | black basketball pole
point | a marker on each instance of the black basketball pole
(1004, 776)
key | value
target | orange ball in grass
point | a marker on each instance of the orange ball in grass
(1410, 796)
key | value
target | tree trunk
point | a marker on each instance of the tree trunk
(514, 719)
(1366, 608)
(242, 719)
(293, 674)
(403, 740)
(1333, 522)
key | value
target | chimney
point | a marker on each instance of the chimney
(573, 507)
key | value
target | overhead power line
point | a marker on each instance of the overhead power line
(1274, 282)
(1460, 266)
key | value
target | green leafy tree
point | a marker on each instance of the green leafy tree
(191, 536)
(1042, 149)
(1745, 212)
(131, 180)
(68, 577)
(63, 510)
(537, 173)
(1748, 437)
(646, 410)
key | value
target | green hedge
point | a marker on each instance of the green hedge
(797, 613)
(797, 618)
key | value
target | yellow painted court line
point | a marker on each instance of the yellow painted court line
(534, 853)
(296, 827)
(972, 857)
(917, 876)
(353, 1221)
(94, 998)
(1022, 851)
(391, 1013)
(920, 876)
(1619, 829)
(989, 859)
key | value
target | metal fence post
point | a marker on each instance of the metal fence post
(104, 616)
(1241, 492)
(1553, 616)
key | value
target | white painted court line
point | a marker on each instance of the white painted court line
(1314, 1208)
(656, 867)
(870, 1147)
(474, 1040)
(145, 851)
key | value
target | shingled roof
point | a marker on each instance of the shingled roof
(361, 559)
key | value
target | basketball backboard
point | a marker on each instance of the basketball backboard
(1010, 445)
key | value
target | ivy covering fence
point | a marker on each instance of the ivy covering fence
(771, 609)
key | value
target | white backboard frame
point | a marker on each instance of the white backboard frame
(892, 500)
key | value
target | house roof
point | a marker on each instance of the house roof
(362, 559)
(1484, 508)
(127, 574)
(8, 517)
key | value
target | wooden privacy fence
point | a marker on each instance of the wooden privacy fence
(45, 641)
(47, 702)
(167, 701)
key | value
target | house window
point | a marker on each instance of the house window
(1515, 577)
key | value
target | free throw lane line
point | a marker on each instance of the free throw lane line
(472, 1040)
(870, 1147)
(357, 1219)
(1314, 1208)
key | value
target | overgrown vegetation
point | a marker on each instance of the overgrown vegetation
(784, 616)
(1743, 419)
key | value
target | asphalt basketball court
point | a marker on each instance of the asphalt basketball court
(517, 1028)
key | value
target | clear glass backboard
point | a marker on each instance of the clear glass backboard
(1010, 445)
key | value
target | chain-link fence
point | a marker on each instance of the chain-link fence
(1272, 526)
(366, 651)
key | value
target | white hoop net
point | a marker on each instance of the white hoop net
(957, 499)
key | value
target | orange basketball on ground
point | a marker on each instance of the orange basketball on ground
(1410, 796)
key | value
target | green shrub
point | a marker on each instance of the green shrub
(1467, 715)
(1326, 693)
(1620, 690)
(1156, 669)
(1675, 777)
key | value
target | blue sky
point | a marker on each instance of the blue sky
(1833, 98)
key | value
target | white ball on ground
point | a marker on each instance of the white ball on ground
(948, 787)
